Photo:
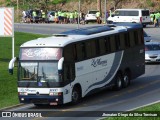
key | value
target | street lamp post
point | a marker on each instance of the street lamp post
(105, 12)
(79, 5)
(17, 9)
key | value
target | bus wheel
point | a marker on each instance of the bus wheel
(75, 96)
(126, 80)
(118, 82)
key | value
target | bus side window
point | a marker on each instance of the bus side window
(132, 38)
(80, 48)
(122, 40)
(102, 46)
(136, 37)
(140, 37)
(117, 42)
(69, 53)
(93, 45)
(69, 72)
(97, 47)
(108, 44)
(113, 43)
(127, 40)
(90, 49)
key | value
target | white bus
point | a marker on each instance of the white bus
(67, 67)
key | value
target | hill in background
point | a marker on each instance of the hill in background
(71, 5)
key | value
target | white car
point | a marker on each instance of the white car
(130, 15)
(91, 16)
(152, 52)
(50, 16)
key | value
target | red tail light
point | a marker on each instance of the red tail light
(141, 19)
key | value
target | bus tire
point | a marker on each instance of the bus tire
(126, 79)
(75, 96)
(118, 81)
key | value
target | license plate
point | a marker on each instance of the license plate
(53, 103)
(153, 60)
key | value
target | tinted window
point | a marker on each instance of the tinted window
(93, 12)
(68, 53)
(80, 48)
(102, 46)
(122, 40)
(90, 49)
(145, 13)
(132, 38)
(127, 13)
(152, 47)
(117, 42)
(113, 43)
(52, 13)
(127, 42)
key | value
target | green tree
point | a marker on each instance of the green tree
(59, 1)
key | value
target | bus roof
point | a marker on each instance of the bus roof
(88, 30)
(60, 40)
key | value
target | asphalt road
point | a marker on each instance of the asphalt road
(142, 91)
(46, 28)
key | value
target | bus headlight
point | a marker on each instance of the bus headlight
(23, 93)
(55, 93)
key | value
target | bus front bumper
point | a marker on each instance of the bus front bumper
(41, 99)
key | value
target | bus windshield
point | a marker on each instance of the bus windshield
(39, 71)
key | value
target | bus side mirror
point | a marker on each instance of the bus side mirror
(11, 65)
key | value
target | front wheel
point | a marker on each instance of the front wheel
(75, 96)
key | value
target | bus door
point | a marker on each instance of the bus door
(69, 77)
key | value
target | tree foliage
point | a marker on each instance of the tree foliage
(59, 1)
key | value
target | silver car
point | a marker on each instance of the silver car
(152, 52)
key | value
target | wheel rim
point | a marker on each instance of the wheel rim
(119, 82)
(126, 79)
(75, 96)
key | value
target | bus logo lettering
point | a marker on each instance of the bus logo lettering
(97, 62)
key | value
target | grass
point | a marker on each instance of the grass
(8, 83)
(154, 109)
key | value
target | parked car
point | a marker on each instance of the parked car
(152, 52)
(91, 16)
(50, 16)
(147, 38)
(37, 19)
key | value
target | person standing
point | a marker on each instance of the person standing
(76, 16)
(24, 16)
(56, 17)
(157, 16)
(34, 15)
(59, 16)
(43, 16)
(98, 15)
(71, 17)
